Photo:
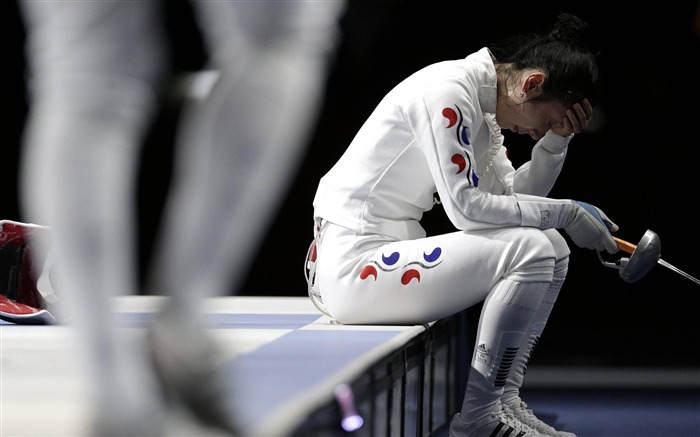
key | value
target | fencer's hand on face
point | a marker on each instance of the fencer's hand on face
(575, 120)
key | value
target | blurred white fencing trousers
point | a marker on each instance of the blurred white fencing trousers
(96, 69)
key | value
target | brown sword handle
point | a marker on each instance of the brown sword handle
(624, 245)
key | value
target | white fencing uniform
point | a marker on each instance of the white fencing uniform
(436, 133)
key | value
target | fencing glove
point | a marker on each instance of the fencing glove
(591, 228)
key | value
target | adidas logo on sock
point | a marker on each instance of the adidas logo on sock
(483, 354)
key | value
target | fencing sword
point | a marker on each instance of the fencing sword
(643, 257)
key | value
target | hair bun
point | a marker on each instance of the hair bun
(570, 29)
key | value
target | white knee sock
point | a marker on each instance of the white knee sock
(506, 317)
(519, 368)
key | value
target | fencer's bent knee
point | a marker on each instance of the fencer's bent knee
(534, 241)
(559, 244)
(533, 254)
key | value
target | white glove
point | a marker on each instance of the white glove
(591, 228)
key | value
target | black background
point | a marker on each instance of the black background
(637, 162)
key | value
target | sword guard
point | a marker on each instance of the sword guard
(643, 257)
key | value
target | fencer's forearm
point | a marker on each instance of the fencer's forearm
(538, 176)
(545, 213)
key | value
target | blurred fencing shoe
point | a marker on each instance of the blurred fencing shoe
(498, 423)
(526, 416)
(188, 366)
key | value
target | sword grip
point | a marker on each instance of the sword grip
(624, 246)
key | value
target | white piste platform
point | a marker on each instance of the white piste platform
(286, 359)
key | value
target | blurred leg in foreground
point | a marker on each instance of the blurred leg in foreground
(96, 71)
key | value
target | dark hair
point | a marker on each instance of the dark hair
(563, 54)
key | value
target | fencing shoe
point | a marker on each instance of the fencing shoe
(527, 417)
(500, 422)
(187, 363)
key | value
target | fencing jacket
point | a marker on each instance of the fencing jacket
(435, 132)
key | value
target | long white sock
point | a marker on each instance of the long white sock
(519, 368)
(506, 316)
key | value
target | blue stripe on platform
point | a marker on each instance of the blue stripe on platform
(292, 364)
(231, 321)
